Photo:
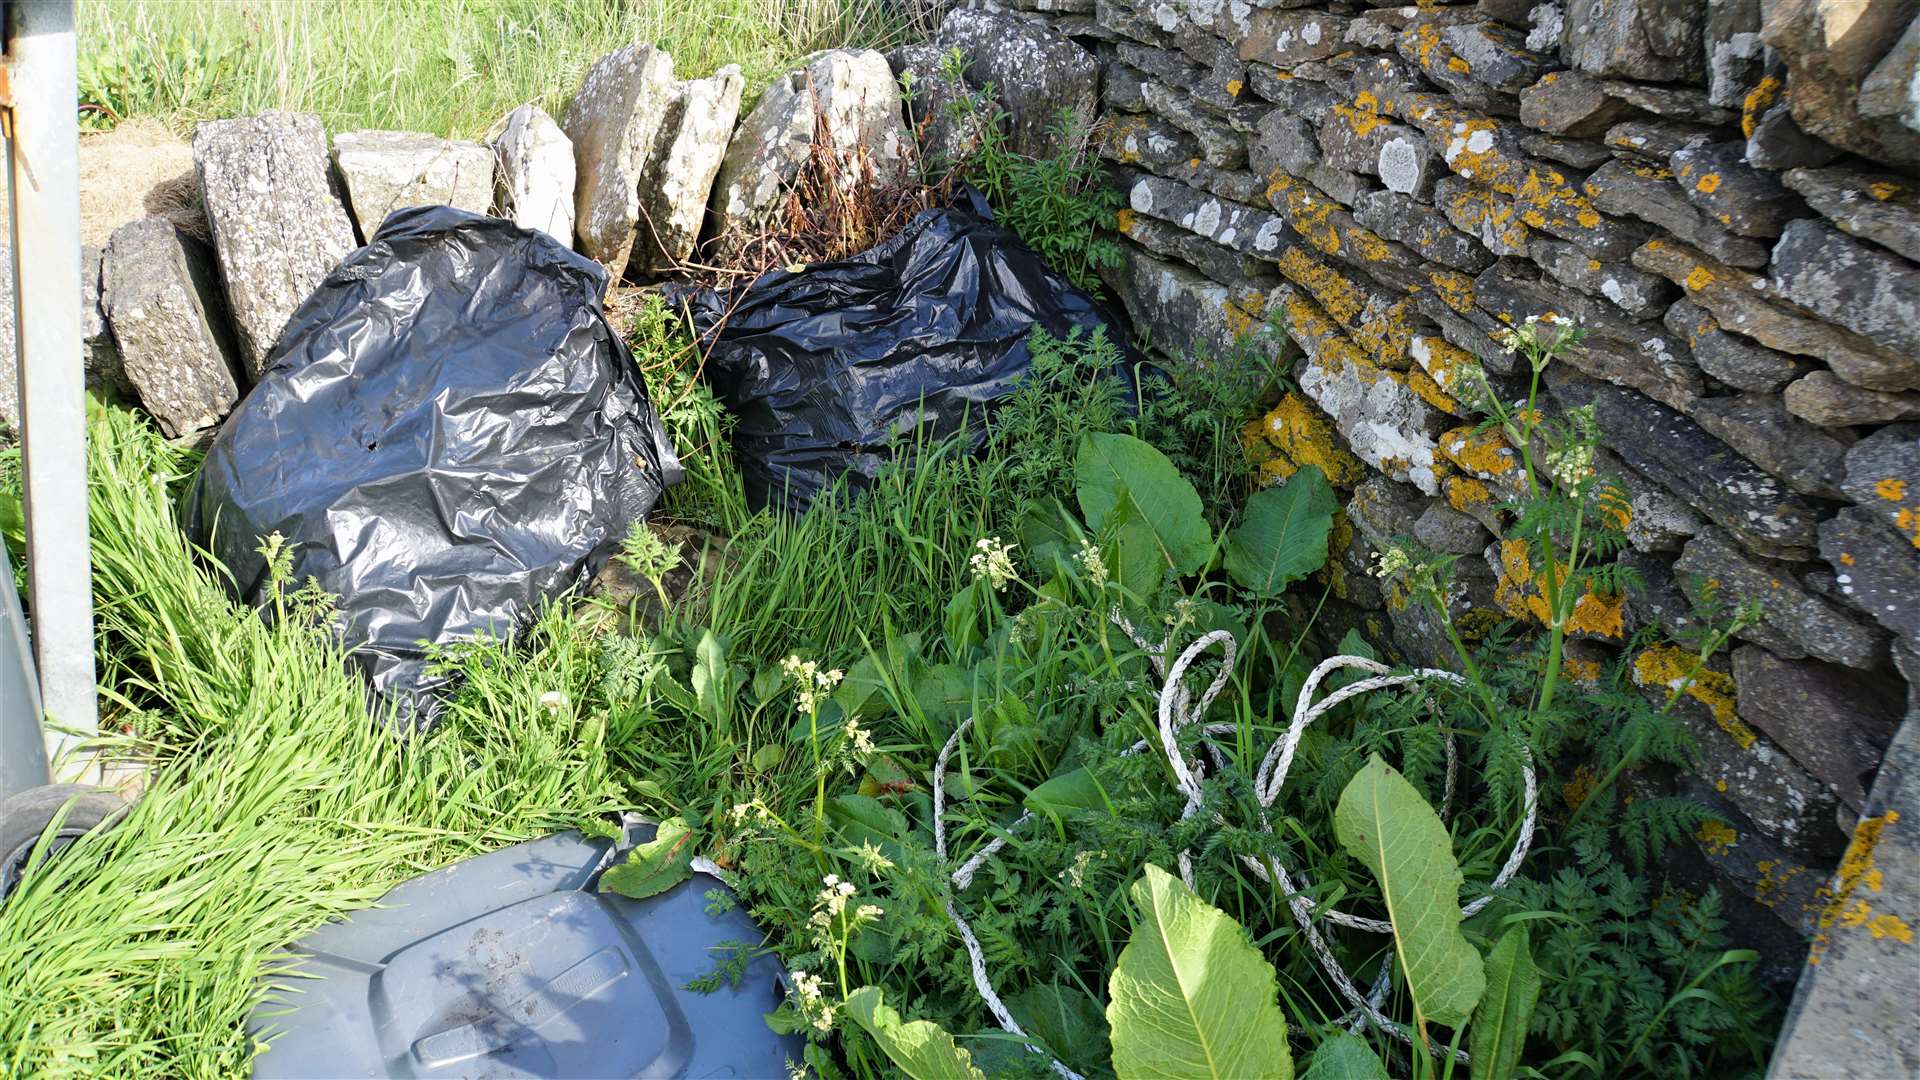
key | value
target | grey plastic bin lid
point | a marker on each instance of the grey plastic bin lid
(510, 965)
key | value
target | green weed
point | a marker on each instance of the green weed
(450, 67)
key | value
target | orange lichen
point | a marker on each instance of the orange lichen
(1891, 489)
(1454, 290)
(1306, 437)
(1583, 670)
(1522, 593)
(1716, 837)
(1485, 454)
(1758, 100)
(1578, 786)
(1674, 669)
(1882, 190)
(1338, 295)
(1429, 391)
(1465, 491)
(1774, 879)
(1698, 278)
(1708, 184)
(1233, 87)
(1124, 220)
(1841, 904)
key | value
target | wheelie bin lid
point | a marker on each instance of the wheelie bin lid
(510, 964)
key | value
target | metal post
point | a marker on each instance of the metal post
(37, 116)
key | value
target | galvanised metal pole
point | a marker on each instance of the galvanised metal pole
(39, 121)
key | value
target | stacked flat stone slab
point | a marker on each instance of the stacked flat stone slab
(534, 172)
(387, 170)
(162, 295)
(846, 98)
(278, 228)
(1400, 184)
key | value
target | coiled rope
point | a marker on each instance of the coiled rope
(1178, 712)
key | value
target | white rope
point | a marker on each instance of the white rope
(1179, 712)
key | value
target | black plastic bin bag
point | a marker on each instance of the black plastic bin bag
(826, 367)
(448, 431)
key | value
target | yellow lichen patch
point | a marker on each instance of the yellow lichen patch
(1240, 322)
(1334, 573)
(1276, 468)
(1698, 278)
(1233, 87)
(1454, 290)
(1479, 210)
(1307, 437)
(1708, 184)
(1464, 492)
(1546, 200)
(1312, 214)
(1124, 220)
(1882, 190)
(1455, 63)
(1716, 837)
(1840, 904)
(1583, 670)
(1430, 392)
(1522, 593)
(1335, 293)
(1485, 454)
(1758, 100)
(1891, 489)
(1362, 116)
(1578, 787)
(1775, 876)
(1669, 667)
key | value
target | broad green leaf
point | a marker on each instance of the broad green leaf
(1344, 1056)
(1069, 1022)
(1499, 1031)
(1115, 469)
(1134, 559)
(1191, 997)
(655, 866)
(922, 1049)
(715, 682)
(1383, 822)
(1046, 534)
(1072, 790)
(1283, 536)
(768, 757)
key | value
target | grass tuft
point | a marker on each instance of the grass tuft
(449, 67)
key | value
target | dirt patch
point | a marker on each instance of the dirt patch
(137, 169)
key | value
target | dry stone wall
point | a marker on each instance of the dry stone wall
(1721, 192)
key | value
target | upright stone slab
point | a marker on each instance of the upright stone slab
(1035, 74)
(278, 228)
(163, 300)
(613, 122)
(1853, 1009)
(847, 96)
(686, 157)
(388, 170)
(533, 181)
(99, 353)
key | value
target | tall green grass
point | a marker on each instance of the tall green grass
(451, 67)
(276, 803)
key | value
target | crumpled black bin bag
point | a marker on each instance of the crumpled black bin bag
(448, 431)
(827, 367)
